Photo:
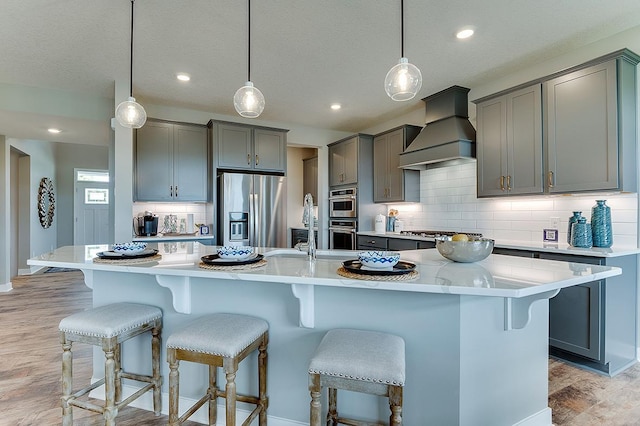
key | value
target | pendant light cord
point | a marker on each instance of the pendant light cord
(249, 41)
(402, 28)
(131, 58)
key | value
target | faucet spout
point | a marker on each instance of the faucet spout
(308, 219)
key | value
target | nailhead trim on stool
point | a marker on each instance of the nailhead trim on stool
(219, 340)
(108, 326)
(360, 361)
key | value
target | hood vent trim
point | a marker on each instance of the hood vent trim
(448, 136)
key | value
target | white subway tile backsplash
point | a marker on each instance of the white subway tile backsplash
(449, 202)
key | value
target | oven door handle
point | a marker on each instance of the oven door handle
(343, 230)
(343, 197)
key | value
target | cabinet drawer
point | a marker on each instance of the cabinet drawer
(366, 242)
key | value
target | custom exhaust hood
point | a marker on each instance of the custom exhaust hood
(448, 136)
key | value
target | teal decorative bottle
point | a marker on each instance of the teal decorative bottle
(573, 219)
(581, 234)
(601, 224)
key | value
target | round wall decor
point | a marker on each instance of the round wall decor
(46, 202)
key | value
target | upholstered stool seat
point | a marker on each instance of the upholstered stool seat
(360, 361)
(108, 326)
(219, 340)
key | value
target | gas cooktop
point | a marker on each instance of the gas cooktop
(434, 234)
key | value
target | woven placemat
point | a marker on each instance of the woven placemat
(403, 277)
(133, 261)
(247, 267)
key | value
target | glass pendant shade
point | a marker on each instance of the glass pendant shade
(249, 101)
(403, 81)
(130, 114)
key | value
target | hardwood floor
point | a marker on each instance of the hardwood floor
(30, 366)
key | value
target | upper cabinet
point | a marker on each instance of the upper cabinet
(171, 162)
(585, 141)
(509, 143)
(587, 121)
(343, 162)
(250, 148)
(390, 183)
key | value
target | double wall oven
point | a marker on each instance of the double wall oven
(343, 220)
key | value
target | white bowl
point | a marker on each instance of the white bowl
(465, 251)
(379, 259)
(129, 248)
(235, 252)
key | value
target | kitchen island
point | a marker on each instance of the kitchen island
(476, 334)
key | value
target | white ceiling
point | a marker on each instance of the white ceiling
(306, 54)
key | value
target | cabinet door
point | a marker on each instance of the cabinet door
(269, 150)
(343, 162)
(310, 178)
(367, 242)
(524, 141)
(395, 176)
(491, 147)
(190, 171)
(380, 169)
(582, 135)
(234, 147)
(154, 162)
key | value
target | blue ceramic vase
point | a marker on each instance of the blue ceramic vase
(601, 224)
(573, 219)
(581, 234)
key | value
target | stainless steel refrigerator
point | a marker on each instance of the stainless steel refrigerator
(252, 210)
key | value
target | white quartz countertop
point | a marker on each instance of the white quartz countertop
(497, 275)
(559, 248)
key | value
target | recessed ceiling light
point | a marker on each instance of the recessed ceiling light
(53, 130)
(465, 33)
(183, 77)
(336, 107)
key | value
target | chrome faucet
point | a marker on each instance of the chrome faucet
(308, 221)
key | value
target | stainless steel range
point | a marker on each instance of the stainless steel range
(435, 234)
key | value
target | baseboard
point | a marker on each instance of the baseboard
(145, 402)
(541, 418)
(6, 287)
(26, 271)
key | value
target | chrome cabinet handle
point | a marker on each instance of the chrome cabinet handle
(550, 178)
(248, 159)
(257, 160)
(176, 190)
(171, 191)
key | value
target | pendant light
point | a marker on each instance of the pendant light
(404, 80)
(129, 113)
(248, 100)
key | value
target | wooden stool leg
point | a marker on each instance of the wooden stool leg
(110, 409)
(230, 392)
(316, 405)
(67, 382)
(262, 381)
(395, 403)
(155, 368)
(332, 415)
(174, 387)
(118, 375)
(213, 394)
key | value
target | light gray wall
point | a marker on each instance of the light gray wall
(68, 157)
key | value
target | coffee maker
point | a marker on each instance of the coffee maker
(145, 225)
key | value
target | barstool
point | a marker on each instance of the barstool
(359, 361)
(219, 340)
(108, 326)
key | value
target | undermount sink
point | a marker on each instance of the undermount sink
(320, 254)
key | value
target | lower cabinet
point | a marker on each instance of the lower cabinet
(300, 235)
(592, 324)
(367, 242)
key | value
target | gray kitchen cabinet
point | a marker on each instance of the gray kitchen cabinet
(343, 162)
(301, 235)
(310, 178)
(509, 143)
(390, 183)
(583, 127)
(368, 242)
(171, 162)
(592, 324)
(250, 148)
